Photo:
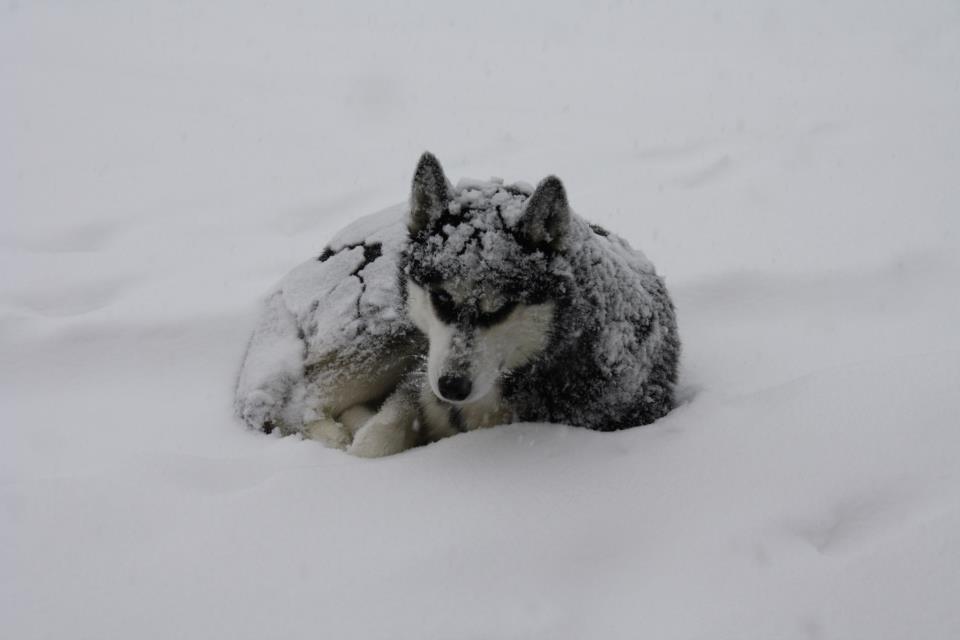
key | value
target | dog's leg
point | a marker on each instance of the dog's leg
(355, 417)
(391, 430)
(328, 432)
(272, 365)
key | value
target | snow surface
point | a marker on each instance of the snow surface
(792, 170)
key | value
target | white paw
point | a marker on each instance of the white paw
(382, 435)
(355, 417)
(329, 432)
(259, 409)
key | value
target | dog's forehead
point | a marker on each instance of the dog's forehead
(474, 251)
(486, 295)
(470, 249)
(476, 199)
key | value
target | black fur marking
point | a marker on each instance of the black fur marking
(503, 221)
(600, 231)
(513, 190)
(447, 310)
(447, 219)
(456, 419)
(470, 316)
(493, 317)
(370, 253)
(474, 237)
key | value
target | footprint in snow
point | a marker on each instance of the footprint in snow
(691, 164)
(856, 525)
(85, 238)
(67, 301)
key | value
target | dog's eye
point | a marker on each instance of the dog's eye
(442, 302)
(495, 310)
(488, 318)
(441, 296)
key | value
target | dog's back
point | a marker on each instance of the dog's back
(614, 350)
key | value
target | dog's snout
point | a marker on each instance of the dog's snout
(454, 388)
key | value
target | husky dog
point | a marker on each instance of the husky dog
(476, 305)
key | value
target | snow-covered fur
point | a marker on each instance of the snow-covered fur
(526, 300)
(332, 341)
(476, 305)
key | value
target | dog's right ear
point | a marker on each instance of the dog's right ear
(430, 194)
(546, 217)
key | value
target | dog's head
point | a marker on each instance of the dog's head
(481, 276)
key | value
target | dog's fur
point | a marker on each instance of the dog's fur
(529, 313)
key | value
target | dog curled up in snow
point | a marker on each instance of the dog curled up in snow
(473, 306)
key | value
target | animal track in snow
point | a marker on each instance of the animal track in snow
(72, 300)
(705, 174)
(688, 165)
(679, 151)
(206, 475)
(859, 523)
(86, 238)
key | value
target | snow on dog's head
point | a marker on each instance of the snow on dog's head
(481, 275)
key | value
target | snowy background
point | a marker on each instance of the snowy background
(794, 171)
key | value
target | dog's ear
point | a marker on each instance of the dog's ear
(546, 218)
(430, 194)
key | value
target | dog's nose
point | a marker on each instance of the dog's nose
(454, 387)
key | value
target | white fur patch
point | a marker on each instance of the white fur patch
(489, 352)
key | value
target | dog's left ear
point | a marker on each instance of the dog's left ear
(429, 195)
(546, 218)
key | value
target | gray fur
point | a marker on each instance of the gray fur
(337, 354)
(429, 195)
(546, 218)
(614, 348)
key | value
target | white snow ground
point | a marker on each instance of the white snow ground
(793, 170)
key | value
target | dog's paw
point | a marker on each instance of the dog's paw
(381, 435)
(259, 410)
(328, 432)
(355, 417)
